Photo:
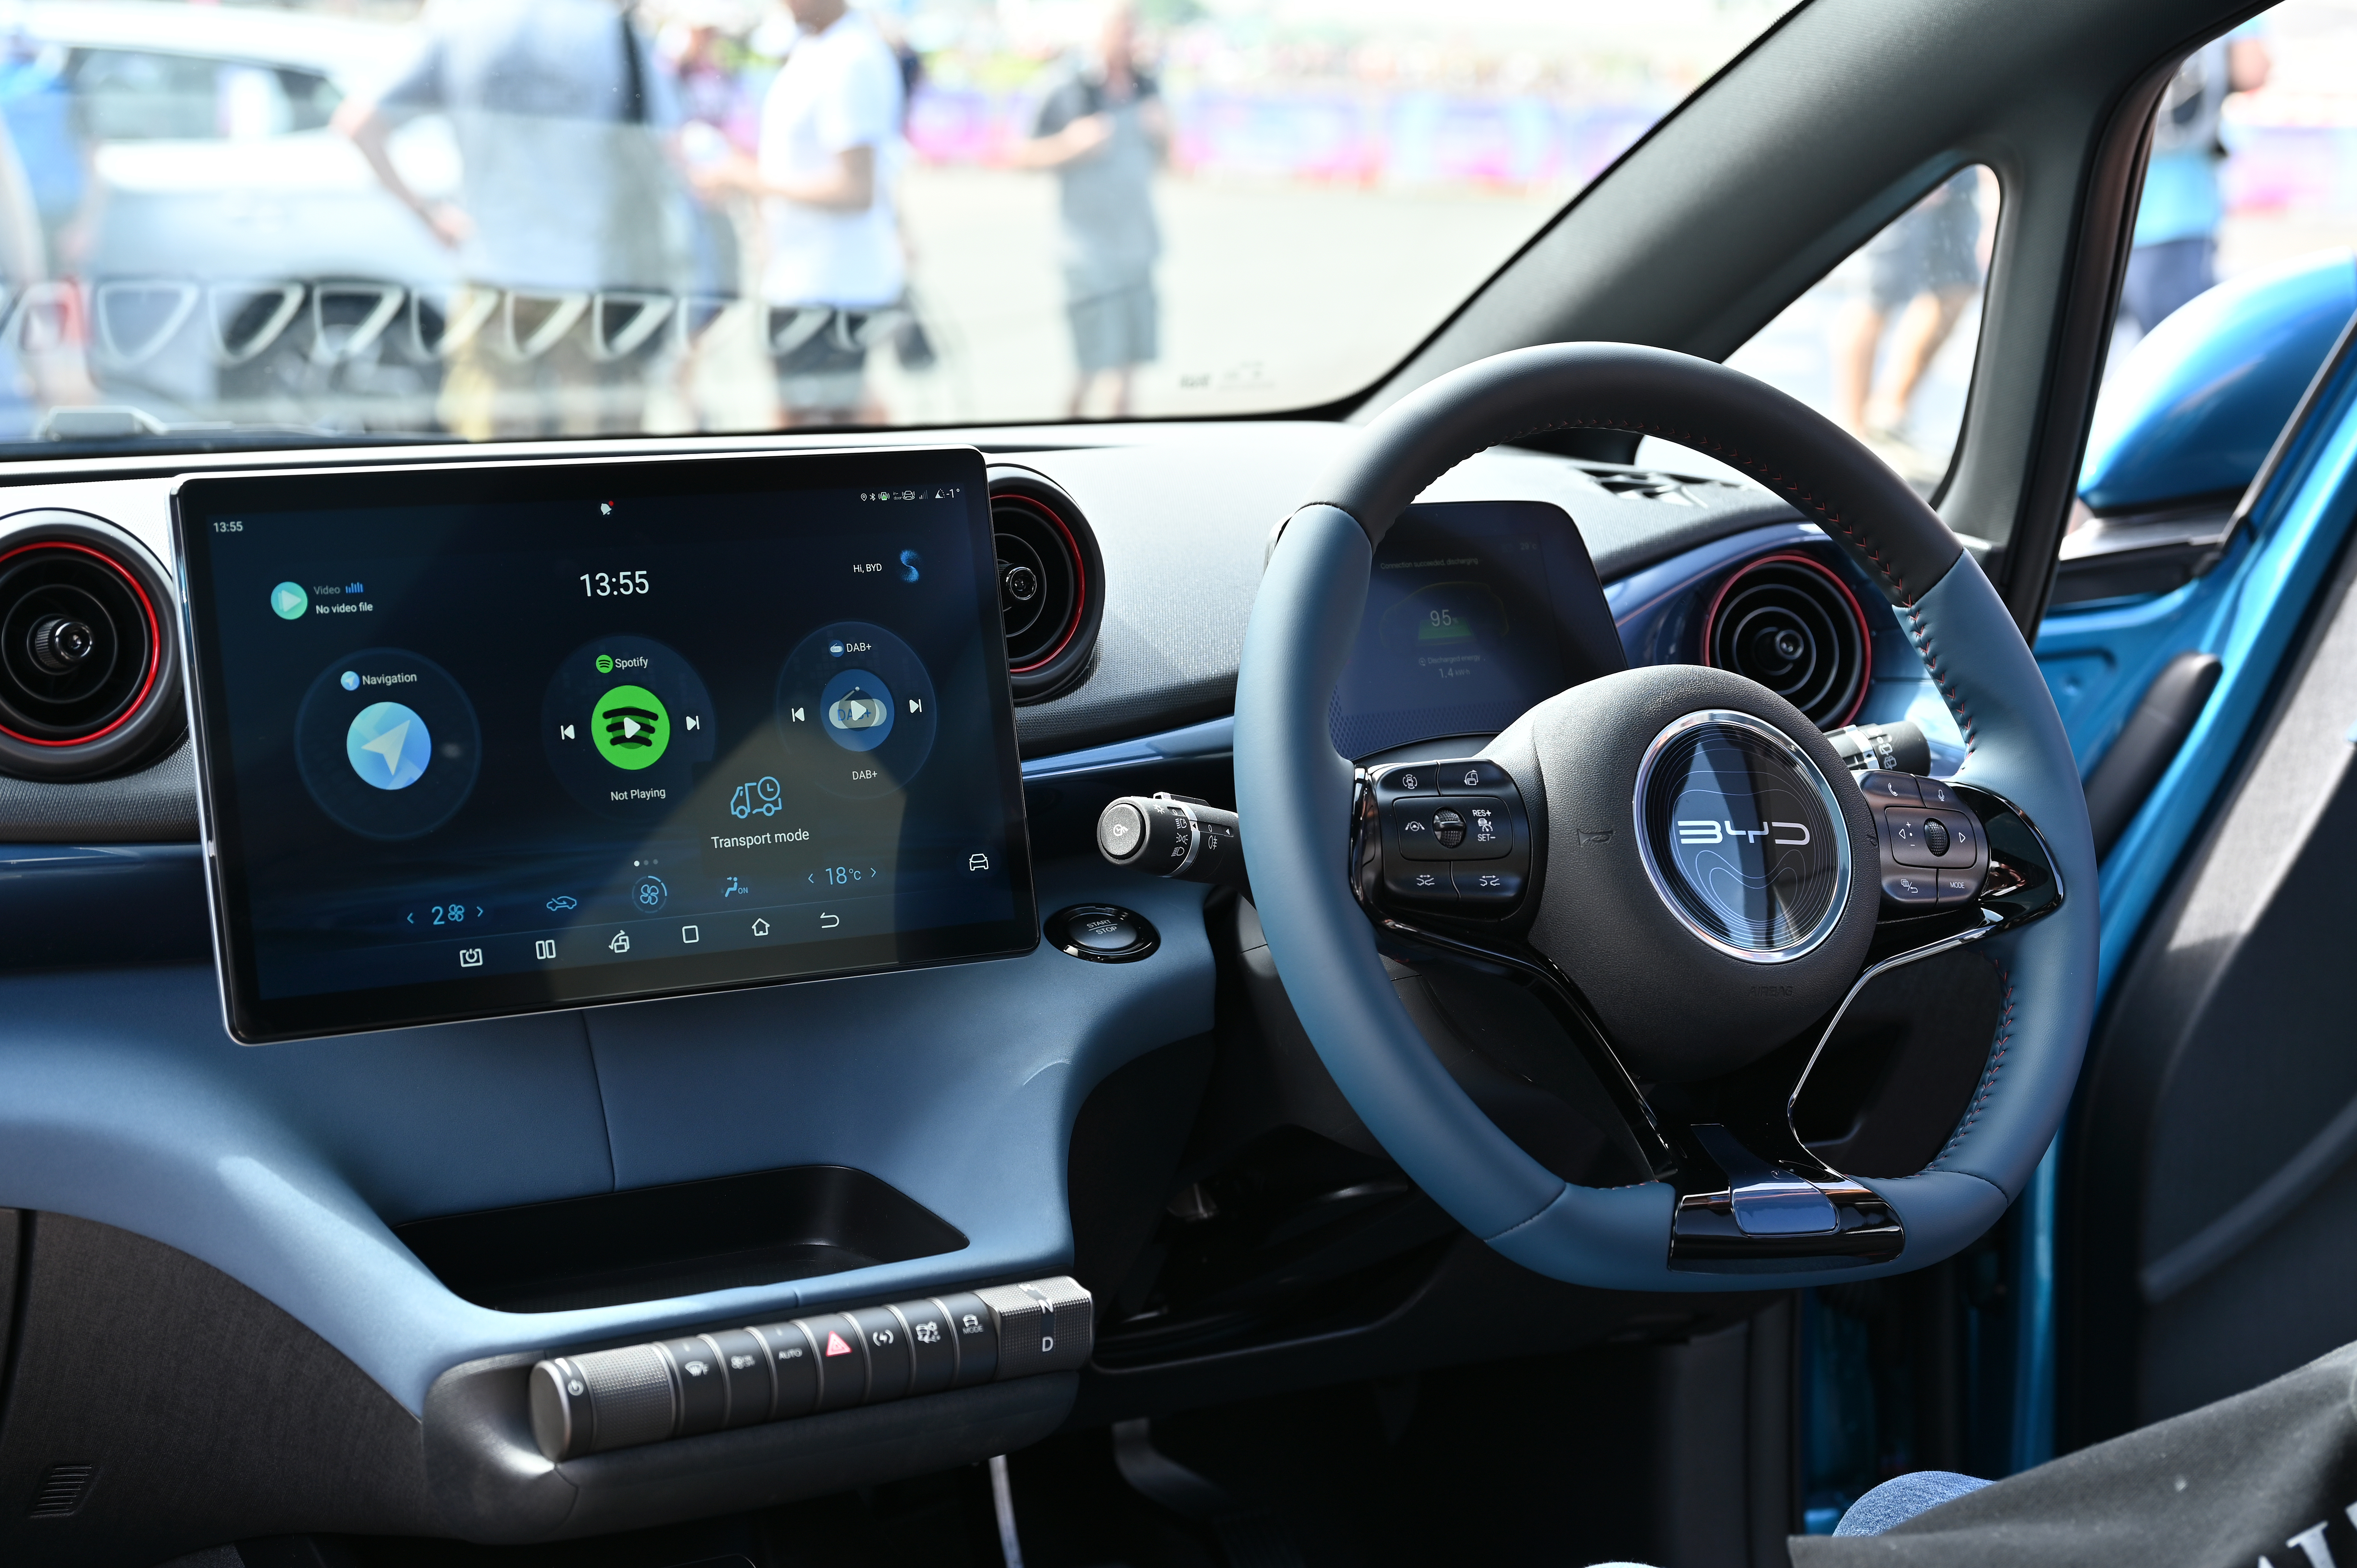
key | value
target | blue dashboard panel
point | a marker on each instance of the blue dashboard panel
(127, 1102)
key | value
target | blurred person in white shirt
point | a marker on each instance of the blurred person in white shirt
(830, 146)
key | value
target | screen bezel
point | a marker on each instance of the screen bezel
(252, 1019)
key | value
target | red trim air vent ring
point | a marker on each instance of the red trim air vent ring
(155, 718)
(1043, 520)
(155, 641)
(1080, 579)
(1858, 615)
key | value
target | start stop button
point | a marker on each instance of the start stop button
(1101, 933)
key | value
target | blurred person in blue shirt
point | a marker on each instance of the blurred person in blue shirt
(2176, 246)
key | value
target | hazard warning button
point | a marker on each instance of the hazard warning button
(842, 1361)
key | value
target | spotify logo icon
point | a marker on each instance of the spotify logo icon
(632, 729)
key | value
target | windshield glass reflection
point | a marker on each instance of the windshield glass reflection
(507, 219)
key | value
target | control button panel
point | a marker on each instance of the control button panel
(1451, 836)
(682, 1387)
(1933, 852)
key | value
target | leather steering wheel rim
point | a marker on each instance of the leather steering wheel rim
(1294, 795)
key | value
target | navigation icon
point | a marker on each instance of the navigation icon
(388, 745)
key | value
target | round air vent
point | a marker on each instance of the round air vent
(1790, 623)
(89, 668)
(1051, 582)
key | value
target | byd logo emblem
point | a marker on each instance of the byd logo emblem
(1694, 831)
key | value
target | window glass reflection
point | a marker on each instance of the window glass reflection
(1883, 345)
(501, 219)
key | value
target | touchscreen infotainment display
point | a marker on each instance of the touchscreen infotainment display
(493, 737)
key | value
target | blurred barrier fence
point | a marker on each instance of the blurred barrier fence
(1338, 136)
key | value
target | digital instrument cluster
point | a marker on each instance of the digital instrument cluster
(493, 737)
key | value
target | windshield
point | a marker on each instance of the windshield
(503, 218)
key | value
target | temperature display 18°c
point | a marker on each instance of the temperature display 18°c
(609, 585)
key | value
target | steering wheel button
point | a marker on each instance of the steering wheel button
(1415, 829)
(1449, 827)
(1932, 840)
(1957, 887)
(1882, 784)
(1426, 884)
(1477, 778)
(1915, 890)
(1492, 833)
(1408, 779)
(1935, 792)
(1487, 885)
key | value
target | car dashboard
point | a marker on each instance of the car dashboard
(342, 1259)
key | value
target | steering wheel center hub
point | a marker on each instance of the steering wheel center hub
(1740, 835)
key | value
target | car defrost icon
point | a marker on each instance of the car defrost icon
(857, 710)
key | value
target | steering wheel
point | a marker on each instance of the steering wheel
(1697, 885)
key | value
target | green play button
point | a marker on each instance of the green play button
(632, 728)
(290, 601)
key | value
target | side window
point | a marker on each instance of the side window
(1883, 345)
(128, 95)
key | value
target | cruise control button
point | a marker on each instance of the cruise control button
(1449, 827)
(1913, 889)
(1489, 832)
(1416, 827)
(1881, 784)
(1472, 778)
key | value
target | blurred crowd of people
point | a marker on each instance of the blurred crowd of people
(599, 163)
(642, 186)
